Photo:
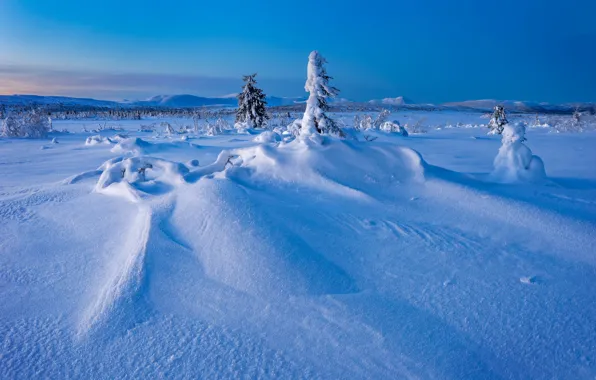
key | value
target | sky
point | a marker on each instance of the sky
(430, 51)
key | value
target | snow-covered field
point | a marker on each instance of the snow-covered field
(351, 259)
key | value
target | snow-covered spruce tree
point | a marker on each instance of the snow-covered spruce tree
(315, 120)
(498, 121)
(251, 104)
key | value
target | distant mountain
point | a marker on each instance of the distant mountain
(167, 101)
(399, 101)
(44, 100)
(517, 106)
(184, 101)
(190, 101)
(274, 101)
(187, 101)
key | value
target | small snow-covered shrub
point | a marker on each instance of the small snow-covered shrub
(393, 127)
(417, 127)
(366, 123)
(515, 162)
(222, 124)
(357, 122)
(97, 139)
(381, 118)
(32, 125)
(241, 127)
(295, 127)
(169, 130)
(576, 123)
(148, 128)
(107, 127)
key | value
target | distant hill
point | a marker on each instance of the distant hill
(191, 101)
(518, 106)
(185, 101)
(44, 100)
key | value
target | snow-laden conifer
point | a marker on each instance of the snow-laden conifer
(251, 104)
(315, 119)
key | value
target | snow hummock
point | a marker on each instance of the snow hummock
(515, 161)
(268, 137)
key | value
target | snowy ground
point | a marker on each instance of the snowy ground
(347, 260)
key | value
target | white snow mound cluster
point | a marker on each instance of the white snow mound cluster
(515, 161)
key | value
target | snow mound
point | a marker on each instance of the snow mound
(343, 167)
(134, 145)
(126, 177)
(96, 140)
(515, 161)
(268, 137)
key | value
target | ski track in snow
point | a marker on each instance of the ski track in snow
(237, 273)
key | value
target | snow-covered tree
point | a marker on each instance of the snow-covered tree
(515, 161)
(498, 120)
(315, 119)
(576, 116)
(393, 127)
(381, 118)
(33, 124)
(357, 122)
(366, 123)
(251, 104)
(168, 128)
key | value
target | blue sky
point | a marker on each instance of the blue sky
(427, 50)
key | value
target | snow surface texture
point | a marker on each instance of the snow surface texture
(267, 259)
